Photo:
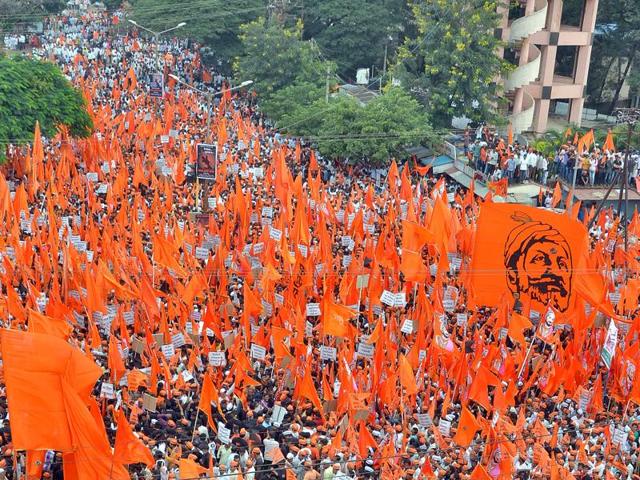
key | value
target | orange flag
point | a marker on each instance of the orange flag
(467, 428)
(608, 142)
(517, 324)
(479, 473)
(308, 390)
(208, 395)
(190, 469)
(526, 252)
(412, 267)
(407, 378)
(116, 364)
(163, 254)
(33, 367)
(415, 236)
(35, 463)
(129, 448)
(557, 195)
(39, 323)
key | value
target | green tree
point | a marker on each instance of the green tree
(372, 133)
(616, 46)
(275, 57)
(354, 34)
(16, 16)
(213, 23)
(294, 107)
(31, 90)
(452, 64)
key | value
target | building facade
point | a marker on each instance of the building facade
(550, 48)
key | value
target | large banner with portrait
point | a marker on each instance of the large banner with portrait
(156, 86)
(528, 254)
(206, 161)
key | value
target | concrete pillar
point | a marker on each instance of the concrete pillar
(540, 115)
(589, 15)
(575, 110)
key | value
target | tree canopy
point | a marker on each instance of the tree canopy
(32, 90)
(354, 34)
(14, 15)
(451, 65)
(214, 23)
(275, 56)
(616, 46)
(376, 132)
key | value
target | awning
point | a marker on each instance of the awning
(465, 180)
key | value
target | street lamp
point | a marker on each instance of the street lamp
(156, 35)
(210, 95)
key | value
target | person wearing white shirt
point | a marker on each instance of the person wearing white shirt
(524, 167)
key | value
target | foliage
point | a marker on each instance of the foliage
(354, 33)
(13, 13)
(298, 105)
(276, 57)
(31, 90)
(214, 23)
(374, 133)
(452, 65)
(377, 132)
(615, 44)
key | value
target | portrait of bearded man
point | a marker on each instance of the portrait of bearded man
(539, 265)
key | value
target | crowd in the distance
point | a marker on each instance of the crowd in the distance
(490, 154)
(540, 425)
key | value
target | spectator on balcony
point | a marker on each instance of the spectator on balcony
(524, 167)
(618, 164)
(492, 162)
(532, 161)
(542, 168)
(593, 166)
(601, 171)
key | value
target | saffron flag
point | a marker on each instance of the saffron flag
(33, 367)
(129, 448)
(526, 253)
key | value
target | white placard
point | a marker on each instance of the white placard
(224, 434)
(400, 300)
(461, 319)
(258, 351)
(362, 281)
(327, 353)
(388, 298)
(168, 350)
(107, 391)
(217, 359)
(366, 349)
(178, 340)
(275, 234)
(407, 327)
(448, 305)
(424, 419)
(278, 415)
(444, 426)
(313, 310)
(202, 253)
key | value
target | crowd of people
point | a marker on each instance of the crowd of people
(494, 157)
(239, 322)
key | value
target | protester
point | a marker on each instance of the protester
(240, 323)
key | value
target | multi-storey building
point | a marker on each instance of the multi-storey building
(550, 46)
